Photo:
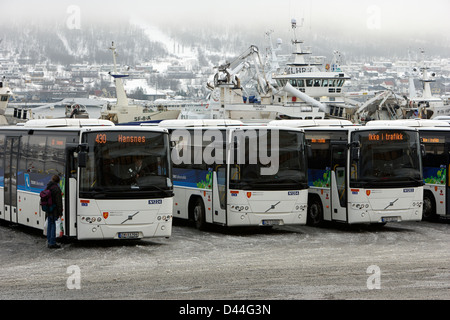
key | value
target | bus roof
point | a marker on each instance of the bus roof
(199, 123)
(311, 123)
(445, 118)
(78, 123)
(409, 123)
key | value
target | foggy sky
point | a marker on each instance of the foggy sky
(390, 18)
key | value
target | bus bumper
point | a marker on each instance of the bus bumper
(264, 219)
(105, 232)
(386, 216)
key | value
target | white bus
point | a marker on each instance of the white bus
(240, 185)
(435, 136)
(362, 174)
(103, 197)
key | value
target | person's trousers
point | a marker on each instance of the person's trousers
(51, 230)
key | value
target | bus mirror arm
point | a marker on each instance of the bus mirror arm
(355, 144)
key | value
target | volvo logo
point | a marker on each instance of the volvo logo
(130, 217)
(273, 206)
(391, 204)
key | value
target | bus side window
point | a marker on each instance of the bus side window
(221, 183)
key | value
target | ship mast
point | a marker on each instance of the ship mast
(122, 100)
(299, 60)
(425, 78)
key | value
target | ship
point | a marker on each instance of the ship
(124, 112)
(299, 91)
(5, 95)
(310, 80)
(388, 105)
(426, 106)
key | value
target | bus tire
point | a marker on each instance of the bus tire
(429, 206)
(315, 212)
(198, 214)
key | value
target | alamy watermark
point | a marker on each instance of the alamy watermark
(74, 280)
(374, 280)
(73, 21)
(373, 21)
(208, 146)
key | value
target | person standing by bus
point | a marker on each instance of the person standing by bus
(56, 213)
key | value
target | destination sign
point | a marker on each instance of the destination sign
(102, 138)
(58, 142)
(387, 136)
(131, 138)
(315, 140)
(433, 140)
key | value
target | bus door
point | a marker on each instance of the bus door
(10, 190)
(219, 194)
(447, 189)
(338, 182)
(71, 191)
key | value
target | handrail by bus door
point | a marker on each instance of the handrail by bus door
(10, 183)
(71, 185)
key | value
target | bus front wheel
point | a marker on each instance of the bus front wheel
(198, 214)
(429, 207)
(315, 212)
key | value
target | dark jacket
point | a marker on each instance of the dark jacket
(56, 198)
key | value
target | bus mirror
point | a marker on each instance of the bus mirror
(422, 150)
(82, 159)
(173, 144)
(309, 153)
(355, 147)
(355, 154)
(82, 155)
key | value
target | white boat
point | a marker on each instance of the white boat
(123, 112)
(76, 110)
(427, 106)
(5, 94)
(8, 116)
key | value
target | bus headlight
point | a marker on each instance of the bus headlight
(300, 207)
(360, 206)
(240, 207)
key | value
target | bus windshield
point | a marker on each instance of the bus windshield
(126, 164)
(291, 173)
(388, 158)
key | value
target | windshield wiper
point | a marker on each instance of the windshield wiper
(156, 187)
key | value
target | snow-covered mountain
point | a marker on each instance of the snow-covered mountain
(140, 41)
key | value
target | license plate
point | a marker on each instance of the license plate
(128, 235)
(271, 222)
(390, 219)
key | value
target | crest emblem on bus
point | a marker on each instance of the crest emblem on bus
(249, 194)
(368, 192)
(105, 215)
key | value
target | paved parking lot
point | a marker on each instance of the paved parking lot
(409, 260)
